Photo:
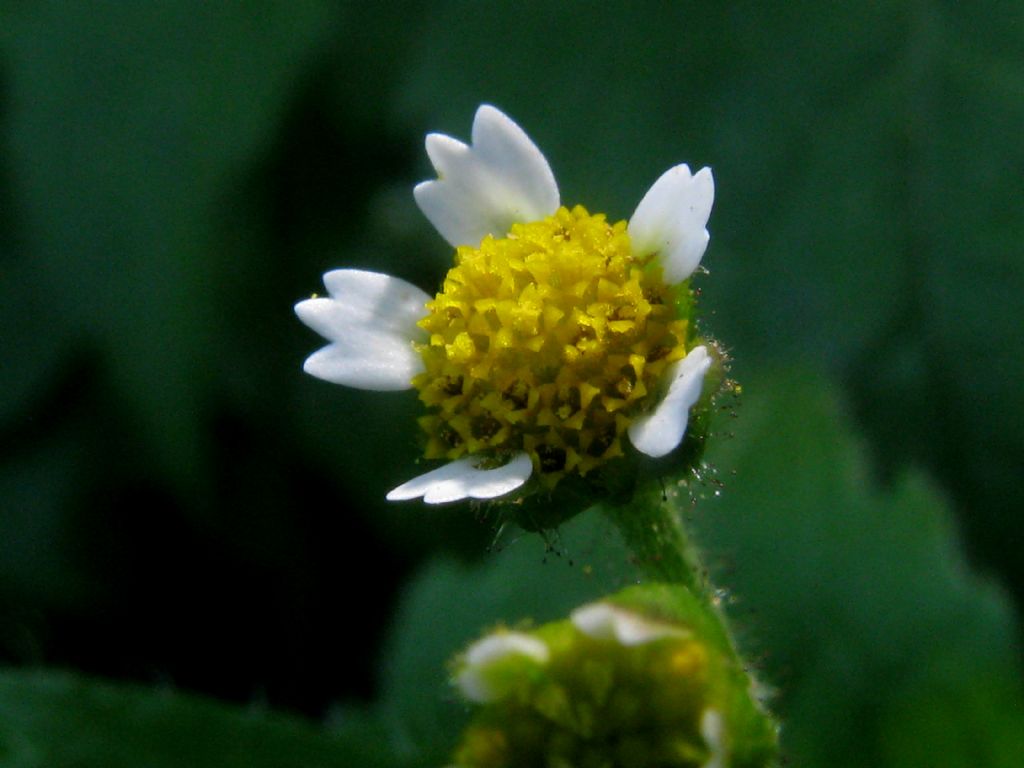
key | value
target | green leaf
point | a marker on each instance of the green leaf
(860, 601)
(126, 123)
(60, 720)
(938, 726)
(34, 343)
(38, 566)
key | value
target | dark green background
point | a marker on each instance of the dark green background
(183, 512)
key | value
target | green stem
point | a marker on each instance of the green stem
(651, 524)
(652, 527)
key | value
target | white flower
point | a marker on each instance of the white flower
(490, 198)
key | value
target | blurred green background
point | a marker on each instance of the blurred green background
(197, 566)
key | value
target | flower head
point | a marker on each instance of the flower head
(641, 678)
(558, 339)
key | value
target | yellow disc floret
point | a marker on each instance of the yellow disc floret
(548, 341)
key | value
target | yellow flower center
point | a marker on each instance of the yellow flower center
(547, 341)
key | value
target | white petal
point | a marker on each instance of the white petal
(370, 319)
(473, 680)
(671, 220)
(660, 431)
(384, 300)
(360, 299)
(712, 729)
(485, 188)
(375, 360)
(463, 480)
(604, 621)
(502, 644)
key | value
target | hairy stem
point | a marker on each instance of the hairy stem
(652, 527)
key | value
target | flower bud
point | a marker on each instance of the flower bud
(646, 677)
